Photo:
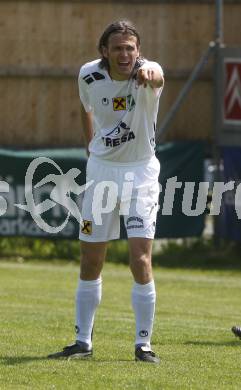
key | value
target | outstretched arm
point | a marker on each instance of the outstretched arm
(150, 75)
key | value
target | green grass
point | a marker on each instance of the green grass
(195, 310)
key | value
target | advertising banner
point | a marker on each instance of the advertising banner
(230, 217)
(182, 168)
(229, 96)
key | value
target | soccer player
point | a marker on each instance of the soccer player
(119, 96)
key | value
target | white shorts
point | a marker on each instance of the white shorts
(128, 190)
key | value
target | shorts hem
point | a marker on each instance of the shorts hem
(138, 235)
(97, 239)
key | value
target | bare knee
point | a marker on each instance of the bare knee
(92, 260)
(140, 260)
(141, 268)
(143, 261)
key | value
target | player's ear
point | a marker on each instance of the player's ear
(104, 51)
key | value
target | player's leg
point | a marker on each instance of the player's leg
(140, 259)
(94, 237)
(140, 225)
(92, 259)
(143, 296)
(88, 294)
(94, 234)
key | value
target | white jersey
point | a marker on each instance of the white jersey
(124, 114)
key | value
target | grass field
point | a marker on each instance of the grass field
(195, 310)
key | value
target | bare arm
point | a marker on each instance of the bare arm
(87, 127)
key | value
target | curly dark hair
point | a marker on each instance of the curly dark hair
(123, 27)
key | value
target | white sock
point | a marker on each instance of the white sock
(88, 297)
(143, 302)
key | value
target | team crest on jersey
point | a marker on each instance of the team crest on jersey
(119, 103)
(87, 227)
(130, 102)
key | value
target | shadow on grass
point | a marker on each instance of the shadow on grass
(15, 360)
(233, 343)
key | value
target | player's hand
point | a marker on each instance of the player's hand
(145, 76)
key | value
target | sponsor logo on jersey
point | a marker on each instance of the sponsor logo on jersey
(87, 227)
(120, 128)
(113, 142)
(123, 103)
(134, 223)
(119, 103)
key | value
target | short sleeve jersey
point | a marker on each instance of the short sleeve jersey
(124, 114)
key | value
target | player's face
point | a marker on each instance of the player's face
(122, 51)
